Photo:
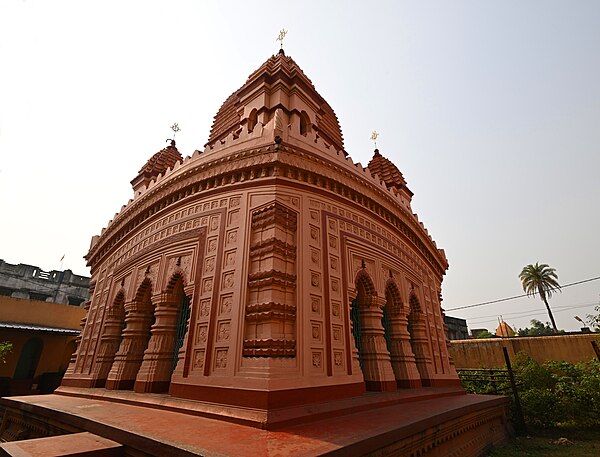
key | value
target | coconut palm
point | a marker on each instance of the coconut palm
(543, 280)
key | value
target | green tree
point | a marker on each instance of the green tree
(537, 329)
(5, 349)
(594, 319)
(543, 280)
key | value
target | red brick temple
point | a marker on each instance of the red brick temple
(265, 296)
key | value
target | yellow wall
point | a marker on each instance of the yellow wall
(40, 313)
(487, 353)
(24, 311)
(53, 356)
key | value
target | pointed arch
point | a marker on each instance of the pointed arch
(364, 286)
(144, 292)
(176, 281)
(414, 303)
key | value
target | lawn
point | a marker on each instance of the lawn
(559, 442)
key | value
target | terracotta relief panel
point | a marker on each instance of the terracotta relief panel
(315, 304)
(226, 305)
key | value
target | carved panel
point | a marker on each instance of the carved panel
(226, 305)
(315, 304)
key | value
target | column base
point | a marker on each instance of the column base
(409, 383)
(121, 384)
(154, 387)
(381, 386)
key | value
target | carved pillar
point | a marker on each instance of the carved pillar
(354, 332)
(376, 363)
(420, 346)
(109, 344)
(155, 372)
(131, 351)
(270, 312)
(71, 369)
(403, 360)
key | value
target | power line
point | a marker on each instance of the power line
(518, 296)
(518, 314)
(481, 321)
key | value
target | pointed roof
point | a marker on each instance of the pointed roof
(161, 161)
(157, 164)
(279, 72)
(387, 171)
(504, 330)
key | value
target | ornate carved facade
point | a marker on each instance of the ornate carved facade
(268, 269)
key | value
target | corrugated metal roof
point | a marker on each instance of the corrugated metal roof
(38, 328)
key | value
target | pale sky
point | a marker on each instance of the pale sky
(491, 110)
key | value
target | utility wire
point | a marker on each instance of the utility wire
(477, 321)
(518, 314)
(517, 296)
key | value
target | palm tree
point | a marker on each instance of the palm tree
(543, 280)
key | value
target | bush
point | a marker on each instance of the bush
(554, 393)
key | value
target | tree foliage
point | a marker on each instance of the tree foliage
(537, 329)
(594, 319)
(553, 393)
(5, 349)
(543, 280)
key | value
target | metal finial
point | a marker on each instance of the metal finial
(281, 36)
(374, 136)
(175, 128)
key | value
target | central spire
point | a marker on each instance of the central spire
(278, 84)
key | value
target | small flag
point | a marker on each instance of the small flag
(62, 258)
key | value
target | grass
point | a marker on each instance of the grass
(548, 443)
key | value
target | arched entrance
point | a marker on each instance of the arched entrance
(139, 317)
(168, 334)
(369, 336)
(29, 359)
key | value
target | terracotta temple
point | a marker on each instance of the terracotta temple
(267, 273)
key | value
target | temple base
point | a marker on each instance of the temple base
(433, 422)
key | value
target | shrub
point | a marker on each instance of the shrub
(553, 393)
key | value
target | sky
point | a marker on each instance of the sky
(491, 110)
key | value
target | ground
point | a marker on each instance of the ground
(559, 442)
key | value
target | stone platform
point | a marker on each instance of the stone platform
(430, 422)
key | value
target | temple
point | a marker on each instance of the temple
(268, 273)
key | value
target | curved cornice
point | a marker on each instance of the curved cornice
(274, 161)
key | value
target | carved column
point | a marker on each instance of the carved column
(420, 346)
(376, 363)
(270, 312)
(403, 360)
(71, 369)
(157, 367)
(109, 344)
(355, 357)
(131, 351)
